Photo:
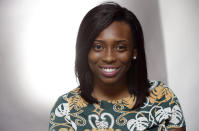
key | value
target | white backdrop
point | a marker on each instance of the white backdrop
(180, 24)
(37, 53)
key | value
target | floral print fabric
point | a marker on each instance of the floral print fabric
(160, 112)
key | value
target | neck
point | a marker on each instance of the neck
(103, 91)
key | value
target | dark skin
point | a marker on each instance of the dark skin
(113, 46)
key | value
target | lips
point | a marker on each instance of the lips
(109, 70)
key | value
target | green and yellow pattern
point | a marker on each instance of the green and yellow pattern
(160, 112)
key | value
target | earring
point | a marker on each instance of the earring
(134, 57)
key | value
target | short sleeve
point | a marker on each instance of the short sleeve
(168, 112)
(176, 119)
(60, 116)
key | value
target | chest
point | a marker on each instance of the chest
(117, 117)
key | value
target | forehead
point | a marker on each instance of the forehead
(117, 30)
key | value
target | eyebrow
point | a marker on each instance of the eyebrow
(122, 40)
(99, 41)
(116, 41)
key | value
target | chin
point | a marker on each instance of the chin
(110, 81)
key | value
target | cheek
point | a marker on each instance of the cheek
(125, 58)
(93, 58)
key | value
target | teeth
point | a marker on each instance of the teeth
(109, 69)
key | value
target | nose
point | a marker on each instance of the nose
(109, 56)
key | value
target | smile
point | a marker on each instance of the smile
(109, 71)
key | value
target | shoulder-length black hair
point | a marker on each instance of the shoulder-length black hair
(96, 20)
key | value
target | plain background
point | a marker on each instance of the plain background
(37, 44)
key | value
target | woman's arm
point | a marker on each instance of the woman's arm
(178, 129)
(60, 117)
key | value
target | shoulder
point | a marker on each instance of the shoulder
(64, 97)
(165, 105)
(74, 93)
(72, 99)
(159, 91)
(156, 85)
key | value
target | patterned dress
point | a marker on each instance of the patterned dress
(160, 112)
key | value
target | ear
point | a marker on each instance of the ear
(134, 53)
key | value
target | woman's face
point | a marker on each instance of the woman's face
(111, 53)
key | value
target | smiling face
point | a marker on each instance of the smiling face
(111, 53)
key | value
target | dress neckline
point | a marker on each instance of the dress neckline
(127, 102)
(117, 100)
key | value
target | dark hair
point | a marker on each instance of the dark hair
(96, 20)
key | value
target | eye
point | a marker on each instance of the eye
(121, 47)
(97, 47)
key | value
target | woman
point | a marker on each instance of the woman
(114, 93)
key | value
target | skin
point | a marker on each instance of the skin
(113, 46)
(179, 129)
